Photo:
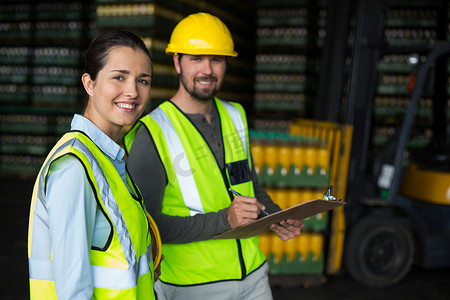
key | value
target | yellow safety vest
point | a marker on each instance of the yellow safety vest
(124, 269)
(195, 185)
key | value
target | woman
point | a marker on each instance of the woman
(89, 237)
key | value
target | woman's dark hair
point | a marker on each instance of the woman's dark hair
(101, 46)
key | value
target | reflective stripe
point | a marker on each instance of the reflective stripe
(183, 172)
(223, 259)
(108, 200)
(236, 118)
(41, 191)
(110, 204)
(116, 272)
(113, 278)
(41, 209)
(104, 277)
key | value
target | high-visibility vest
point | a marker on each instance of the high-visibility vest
(123, 269)
(196, 184)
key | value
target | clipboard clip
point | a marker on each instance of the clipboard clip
(329, 194)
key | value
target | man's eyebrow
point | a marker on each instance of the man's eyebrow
(128, 72)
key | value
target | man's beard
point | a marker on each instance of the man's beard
(201, 95)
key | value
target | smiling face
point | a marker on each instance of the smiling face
(120, 92)
(201, 76)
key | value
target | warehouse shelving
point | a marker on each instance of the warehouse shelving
(289, 41)
(42, 52)
(41, 62)
(154, 21)
(407, 23)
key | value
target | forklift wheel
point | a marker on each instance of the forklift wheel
(379, 252)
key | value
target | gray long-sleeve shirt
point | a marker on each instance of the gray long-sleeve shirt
(148, 172)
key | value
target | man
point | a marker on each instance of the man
(190, 152)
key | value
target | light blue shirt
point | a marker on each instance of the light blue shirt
(76, 222)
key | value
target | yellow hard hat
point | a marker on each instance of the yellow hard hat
(201, 34)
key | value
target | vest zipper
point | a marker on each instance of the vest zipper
(241, 260)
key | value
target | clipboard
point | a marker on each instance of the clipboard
(299, 211)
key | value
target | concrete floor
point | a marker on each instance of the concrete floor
(15, 198)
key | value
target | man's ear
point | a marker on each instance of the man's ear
(88, 84)
(176, 63)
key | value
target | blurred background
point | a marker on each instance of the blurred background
(350, 94)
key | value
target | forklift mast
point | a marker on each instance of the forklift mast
(368, 47)
(368, 42)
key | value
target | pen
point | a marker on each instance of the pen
(237, 194)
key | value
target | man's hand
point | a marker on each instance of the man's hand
(287, 229)
(243, 210)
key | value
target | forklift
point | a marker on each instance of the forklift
(401, 216)
(398, 206)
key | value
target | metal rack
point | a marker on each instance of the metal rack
(41, 61)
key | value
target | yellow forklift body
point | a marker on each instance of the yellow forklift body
(426, 185)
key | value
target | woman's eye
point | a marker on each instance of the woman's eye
(118, 77)
(144, 81)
